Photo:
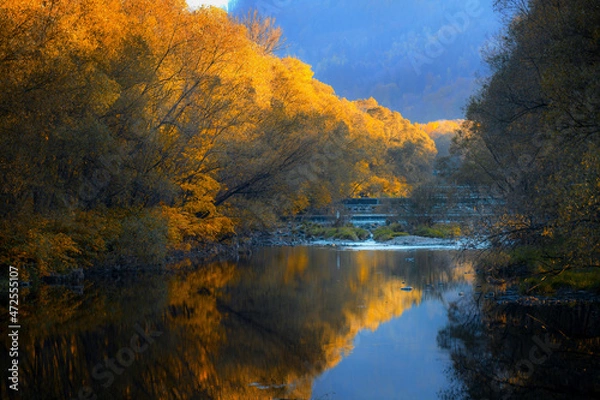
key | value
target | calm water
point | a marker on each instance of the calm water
(288, 323)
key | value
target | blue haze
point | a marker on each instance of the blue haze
(421, 57)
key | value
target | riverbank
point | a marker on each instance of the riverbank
(287, 239)
(503, 292)
(565, 296)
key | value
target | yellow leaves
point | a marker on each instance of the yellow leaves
(293, 87)
(84, 27)
(517, 221)
(379, 186)
(395, 148)
(39, 244)
(106, 91)
(119, 105)
(301, 72)
(300, 203)
(186, 230)
(547, 232)
(395, 187)
(321, 196)
(197, 219)
(97, 25)
(441, 127)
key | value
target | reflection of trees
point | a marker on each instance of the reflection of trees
(285, 326)
(263, 329)
(523, 352)
(65, 335)
(293, 313)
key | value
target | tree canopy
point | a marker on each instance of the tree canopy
(132, 128)
(533, 136)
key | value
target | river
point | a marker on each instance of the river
(303, 323)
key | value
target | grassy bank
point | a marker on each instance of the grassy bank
(348, 232)
(381, 233)
(388, 232)
(548, 283)
(441, 231)
(539, 270)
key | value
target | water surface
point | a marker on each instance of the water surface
(301, 323)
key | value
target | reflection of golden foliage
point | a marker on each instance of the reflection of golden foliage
(261, 329)
(462, 270)
(311, 309)
(295, 267)
(54, 307)
(390, 303)
(205, 280)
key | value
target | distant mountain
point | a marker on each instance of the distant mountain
(418, 57)
(442, 132)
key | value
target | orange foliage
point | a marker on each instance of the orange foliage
(182, 126)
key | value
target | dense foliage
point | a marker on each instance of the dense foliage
(129, 128)
(533, 134)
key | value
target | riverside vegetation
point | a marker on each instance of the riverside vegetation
(134, 129)
(379, 233)
(532, 140)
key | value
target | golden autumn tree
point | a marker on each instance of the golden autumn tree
(406, 153)
(131, 128)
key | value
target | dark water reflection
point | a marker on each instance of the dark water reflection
(510, 351)
(293, 323)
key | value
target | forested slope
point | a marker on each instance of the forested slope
(131, 128)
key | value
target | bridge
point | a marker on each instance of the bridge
(459, 206)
